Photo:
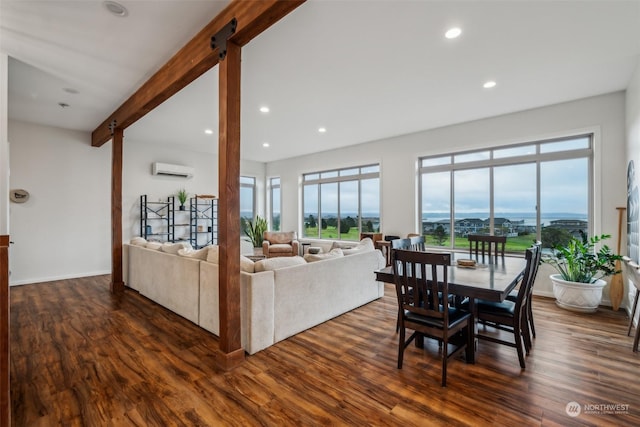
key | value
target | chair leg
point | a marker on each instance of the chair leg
(526, 336)
(471, 342)
(633, 312)
(445, 357)
(401, 346)
(635, 340)
(518, 342)
(530, 316)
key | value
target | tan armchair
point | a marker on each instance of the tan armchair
(280, 243)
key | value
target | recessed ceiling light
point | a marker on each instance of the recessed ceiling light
(322, 130)
(452, 33)
(489, 84)
(115, 8)
(265, 144)
(71, 90)
(208, 131)
(264, 109)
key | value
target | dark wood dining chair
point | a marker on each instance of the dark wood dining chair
(417, 243)
(513, 296)
(419, 277)
(400, 244)
(482, 244)
(508, 315)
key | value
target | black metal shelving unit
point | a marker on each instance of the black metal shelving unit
(157, 219)
(203, 221)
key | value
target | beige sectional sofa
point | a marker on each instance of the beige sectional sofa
(279, 297)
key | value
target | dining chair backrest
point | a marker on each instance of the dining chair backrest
(493, 244)
(416, 243)
(398, 244)
(531, 257)
(419, 277)
(401, 244)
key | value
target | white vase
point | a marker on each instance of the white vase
(581, 297)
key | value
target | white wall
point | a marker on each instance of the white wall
(137, 178)
(633, 141)
(4, 145)
(63, 230)
(398, 156)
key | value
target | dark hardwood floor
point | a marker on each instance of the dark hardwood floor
(81, 356)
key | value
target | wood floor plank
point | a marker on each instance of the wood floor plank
(82, 356)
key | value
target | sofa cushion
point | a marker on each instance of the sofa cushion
(213, 256)
(365, 245)
(280, 248)
(153, 245)
(246, 264)
(173, 248)
(195, 253)
(333, 253)
(138, 241)
(275, 237)
(278, 262)
(344, 245)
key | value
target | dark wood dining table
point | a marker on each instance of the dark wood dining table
(492, 278)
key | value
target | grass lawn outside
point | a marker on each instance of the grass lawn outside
(514, 244)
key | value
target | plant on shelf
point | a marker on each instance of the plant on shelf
(182, 198)
(581, 269)
(255, 230)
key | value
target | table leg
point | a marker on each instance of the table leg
(471, 350)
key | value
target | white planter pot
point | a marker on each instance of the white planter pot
(581, 297)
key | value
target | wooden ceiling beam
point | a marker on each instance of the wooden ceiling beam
(194, 59)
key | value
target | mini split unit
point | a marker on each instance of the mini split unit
(167, 169)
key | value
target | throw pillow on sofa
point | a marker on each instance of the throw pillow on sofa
(138, 241)
(278, 262)
(343, 245)
(213, 256)
(365, 245)
(153, 245)
(333, 253)
(173, 248)
(195, 253)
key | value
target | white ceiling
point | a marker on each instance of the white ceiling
(365, 70)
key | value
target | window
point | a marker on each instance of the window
(534, 191)
(274, 203)
(247, 198)
(342, 203)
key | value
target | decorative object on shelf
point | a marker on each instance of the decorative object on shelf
(203, 221)
(19, 195)
(182, 198)
(578, 284)
(157, 219)
(255, 230)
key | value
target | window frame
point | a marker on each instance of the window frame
(440, 164)
(272, 188)
(331, 176)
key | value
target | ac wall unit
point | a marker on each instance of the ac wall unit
(167, 169)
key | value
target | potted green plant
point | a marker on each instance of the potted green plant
(255, 230)
(578, 284)
(182, 198)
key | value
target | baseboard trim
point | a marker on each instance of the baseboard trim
(54, 278)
